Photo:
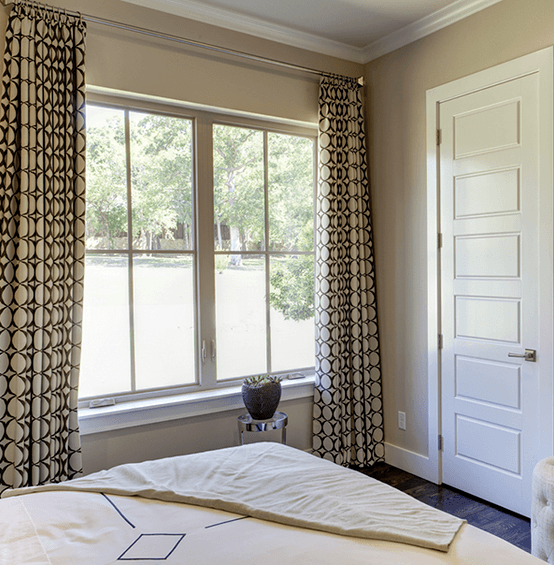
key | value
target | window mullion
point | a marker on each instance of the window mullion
(130, 248)
(267, 257)
(207, 369)
(133, 174)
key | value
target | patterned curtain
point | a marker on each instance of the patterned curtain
(348, 420)
(42, 207)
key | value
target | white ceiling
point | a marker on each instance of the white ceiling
(355, 30)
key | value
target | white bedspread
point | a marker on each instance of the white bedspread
(86, 528)
(20, 543)
(281, 484)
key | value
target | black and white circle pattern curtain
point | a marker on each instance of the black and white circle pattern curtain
(42, 215)
(348, 420)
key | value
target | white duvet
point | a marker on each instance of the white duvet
(68, 525)
(274, 482)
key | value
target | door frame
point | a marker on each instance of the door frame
(542, 63)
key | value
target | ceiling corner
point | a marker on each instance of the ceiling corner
(424, 27)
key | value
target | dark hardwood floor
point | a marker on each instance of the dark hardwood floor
(502, 523)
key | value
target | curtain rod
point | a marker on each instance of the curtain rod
(192, 43)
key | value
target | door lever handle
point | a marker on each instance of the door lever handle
(529, 355)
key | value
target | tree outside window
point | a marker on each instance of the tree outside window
(142, 287)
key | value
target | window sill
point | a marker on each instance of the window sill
(154, 410)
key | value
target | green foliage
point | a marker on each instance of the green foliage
(162, 195)
(292, 287)
(257, 381)
(106, 181)
(239, 185)
(161, 174)
(291, 193)
(161, 177)
(291, 225)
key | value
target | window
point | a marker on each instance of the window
(199, 251)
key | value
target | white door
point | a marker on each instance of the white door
(490, 289)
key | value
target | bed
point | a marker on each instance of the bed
(262, 503)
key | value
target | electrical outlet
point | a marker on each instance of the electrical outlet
(402, 420)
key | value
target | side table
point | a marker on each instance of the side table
(279, 422)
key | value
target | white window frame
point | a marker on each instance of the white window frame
(207, 395)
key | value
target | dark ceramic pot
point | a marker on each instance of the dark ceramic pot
(261, 401)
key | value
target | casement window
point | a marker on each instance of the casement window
(199, 250)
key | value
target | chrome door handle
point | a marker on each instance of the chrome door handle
(529, 355)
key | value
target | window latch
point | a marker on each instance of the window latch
(204, 354)
(213, 350)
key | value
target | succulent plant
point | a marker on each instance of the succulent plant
(261, 395)
(261, 380)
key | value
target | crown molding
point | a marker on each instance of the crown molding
(424, 27)
(196, 10)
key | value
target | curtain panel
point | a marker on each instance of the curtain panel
(348, 420)
(42, 208)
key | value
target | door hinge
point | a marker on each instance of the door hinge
(439, 344)
(440, 443)
(439, 240)
(439, 136)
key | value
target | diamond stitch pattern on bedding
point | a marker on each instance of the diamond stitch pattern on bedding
(268, 481)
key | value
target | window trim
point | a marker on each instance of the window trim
(159, 404)
(129, 414)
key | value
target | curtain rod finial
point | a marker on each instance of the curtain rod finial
(361, 81)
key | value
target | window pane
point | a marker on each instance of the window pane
(291, 193)
(238, 155)
(292, 312)
(142, 299)
(106, 220)
(164, 321)
(240, 315)
(105, 357)
(161, 156)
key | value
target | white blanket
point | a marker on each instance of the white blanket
(20, 543)
(281, 484)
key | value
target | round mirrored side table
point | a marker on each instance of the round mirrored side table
(279, 422)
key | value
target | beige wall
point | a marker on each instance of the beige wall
(135, 63)
(395, 98)
(191, 435)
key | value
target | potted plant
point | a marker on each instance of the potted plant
(261, 395)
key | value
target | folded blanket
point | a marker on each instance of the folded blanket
(274, 482)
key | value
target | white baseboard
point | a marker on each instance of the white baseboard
(411, 462)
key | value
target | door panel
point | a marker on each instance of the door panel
(493, 382)
(487, 319)
(486, 194)
(498, 126)
(489, 289)
(473, 256)
(498, 446)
